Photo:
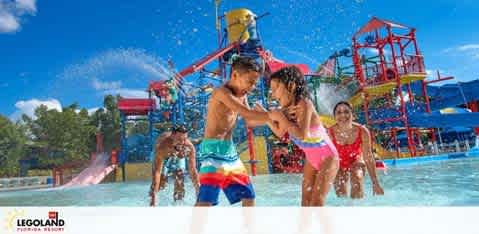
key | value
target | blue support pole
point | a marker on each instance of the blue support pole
(174, 110)
(181, 105)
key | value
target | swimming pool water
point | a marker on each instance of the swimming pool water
(445, 183)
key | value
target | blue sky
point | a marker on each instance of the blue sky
(60, 52)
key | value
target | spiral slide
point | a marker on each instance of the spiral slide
(94, 173)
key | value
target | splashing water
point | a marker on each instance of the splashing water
(117, 71)
(328, 95)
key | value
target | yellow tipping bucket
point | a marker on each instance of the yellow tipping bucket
(237, 22)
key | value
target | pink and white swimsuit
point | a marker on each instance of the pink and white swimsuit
(317, 147)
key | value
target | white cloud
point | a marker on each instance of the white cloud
(91, 111)
(105, 85)
(471, 50)
(127, 93)
(12, 13)
(27, 5)
(432, 73)
(468, 47)
(28, 107)
(8, 23)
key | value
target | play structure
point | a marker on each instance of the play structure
(384, 76)
(179, 102)
(385, 98)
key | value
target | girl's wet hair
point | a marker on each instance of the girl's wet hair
(291, 76)
(342, 103)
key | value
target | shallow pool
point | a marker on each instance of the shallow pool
(445, 183)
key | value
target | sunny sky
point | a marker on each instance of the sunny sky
(59, 52)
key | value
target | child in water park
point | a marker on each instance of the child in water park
(221, 167)
(305, 129)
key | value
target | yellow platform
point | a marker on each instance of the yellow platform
(135, 172)
(384, 88)
(379, 90)
(411, 77)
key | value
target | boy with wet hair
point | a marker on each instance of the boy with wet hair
(221, 167)
(173, 147)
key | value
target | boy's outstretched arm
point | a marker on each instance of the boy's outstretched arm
(300, 129)
(226, 97)
(255, 123)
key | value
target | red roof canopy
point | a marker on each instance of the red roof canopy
(376, 23)
(276, 64)
(136, 106)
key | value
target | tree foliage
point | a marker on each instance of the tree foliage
(12, 147)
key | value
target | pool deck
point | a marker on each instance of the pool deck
(474, 152)
(9, 189)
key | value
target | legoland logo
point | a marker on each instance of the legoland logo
(16, 222)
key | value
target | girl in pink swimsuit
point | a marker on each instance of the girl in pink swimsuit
(289, 88)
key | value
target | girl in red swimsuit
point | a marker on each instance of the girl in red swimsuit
(353, 144)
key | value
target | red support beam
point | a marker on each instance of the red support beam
(439, 79)
(252, 154)
(426, 96)
(208, 59)
(394, 133)
(411, 95)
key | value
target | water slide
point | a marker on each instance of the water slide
(94, 173)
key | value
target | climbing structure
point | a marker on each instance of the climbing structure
(181, 102)
(386, 61)
(135, 109)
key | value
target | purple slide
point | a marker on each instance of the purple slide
(94, 173)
